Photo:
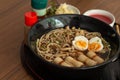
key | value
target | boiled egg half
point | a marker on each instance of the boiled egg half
(80, 43)
(95, 44)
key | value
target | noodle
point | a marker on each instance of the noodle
(58, 43)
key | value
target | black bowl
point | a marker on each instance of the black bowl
(84, 22)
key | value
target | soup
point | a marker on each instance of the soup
(102, 18)
(73, 47)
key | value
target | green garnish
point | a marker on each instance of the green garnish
(53, 7)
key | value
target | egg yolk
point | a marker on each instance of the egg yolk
(94, 46)
(81, 43)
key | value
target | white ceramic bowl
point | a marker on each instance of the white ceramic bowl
(75, 9)
(101, 12)
(67, 9)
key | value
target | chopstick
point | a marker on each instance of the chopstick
(118, 29)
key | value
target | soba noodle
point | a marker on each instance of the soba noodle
(57, 44)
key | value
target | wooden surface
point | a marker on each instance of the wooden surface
(12, 27)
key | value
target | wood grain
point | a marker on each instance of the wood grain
(12, 26)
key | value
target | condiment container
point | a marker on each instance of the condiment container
(30, 20)
(39, 6)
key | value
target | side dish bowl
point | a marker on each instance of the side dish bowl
(102, 15)
(84, 22)
(62, 9)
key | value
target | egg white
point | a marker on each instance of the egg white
(98, 41)
(80, 39)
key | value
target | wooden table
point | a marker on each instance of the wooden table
(12, 27)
